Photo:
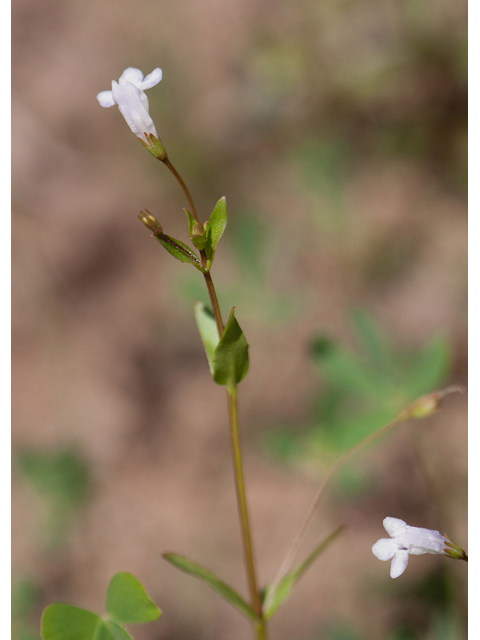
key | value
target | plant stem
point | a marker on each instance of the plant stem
(180, 181)
(242, 500)
(214, 300)
(260, 627)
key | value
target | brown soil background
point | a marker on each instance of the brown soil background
(106, 356)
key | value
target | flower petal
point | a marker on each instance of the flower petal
(393, 525)
(131, 105)
(135, 76)
(421, 541)
(105, 99)
(152, 79)
(384, 549)
(399, 563)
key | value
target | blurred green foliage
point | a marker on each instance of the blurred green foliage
(360, 391)
(25, 597)
(63, 480)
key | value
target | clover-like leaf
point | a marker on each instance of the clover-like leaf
(230, 359)
(118, 632)
(128, 602)
(67, 622)
(196, 570)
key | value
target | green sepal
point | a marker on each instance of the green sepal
(272, 601)
(230, 359)
(223, 589)
(208, 331)
(215, 228)
(67, 622)
(155, 146)
(179, 250)
(128, 601)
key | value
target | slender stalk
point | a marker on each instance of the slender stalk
(242, 500)
(180, 181)
(214, 301)
(260, 627)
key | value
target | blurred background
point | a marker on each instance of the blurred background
(338, 132)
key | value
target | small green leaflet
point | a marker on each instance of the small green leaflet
(117, 631)
(230, 360)
(227, 357)
(208, 331)
(179, 250)
(127, 602)
(196, 570)
(191, 221)
(285, 586)
(215, 228)
(67, 622)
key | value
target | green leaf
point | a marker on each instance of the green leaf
(230, 360)
(179, 250)
(215, 228)
(208, 331)
(191, 221)
(61, 475)
(285, 586)
(67, 622)
(196, 570)
(117, 631)
(128, 602)
(345, 371)
(103, 632)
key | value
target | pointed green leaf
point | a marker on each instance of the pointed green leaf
(67, 622)
(285, 586)
(215, 228)
(117, 631)
(208, 331)
(230, 360)
(191, 221)
(128, 602)
(196, 570)
(179, 250)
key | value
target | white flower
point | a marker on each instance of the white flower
(407, 540)
(129, 94)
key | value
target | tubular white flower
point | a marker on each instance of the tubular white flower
(406, 540)
(129, 94)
